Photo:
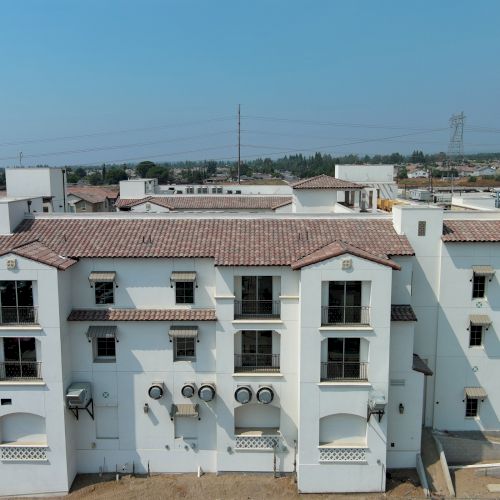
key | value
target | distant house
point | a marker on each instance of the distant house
(480, 172)
(91, 198)
(416, 174)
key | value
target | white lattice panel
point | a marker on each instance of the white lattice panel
(256, 442)
(23, 454)
(342, 455)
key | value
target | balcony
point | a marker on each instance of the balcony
(20, 370)
(344, 371)
(21, 315)
(256, 363)
(257, 309)
(345, 315)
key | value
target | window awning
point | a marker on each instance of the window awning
(475, 393)
(184, 410)
(99, 332)
(102, 276)
(183, 276)
(419, 365)
(183, 331)
(480, 319)
(483, 270)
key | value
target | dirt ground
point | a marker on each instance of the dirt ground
(400, 484)
(471, 483)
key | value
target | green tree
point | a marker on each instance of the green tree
(114, 175)
(95, 178)
(402, 173)
(143, 167)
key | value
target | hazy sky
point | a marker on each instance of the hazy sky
(178, 69)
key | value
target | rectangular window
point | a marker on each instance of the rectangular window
(421, 227)
(19, 359)
(185, 348)
(478, 286)
(257, 295)
(16, 300)
(204, 190)
(344, 302)
(184, 292)
(104, 292)
(476, 335)
(257, 348)
(214, 190)
(219, 190)
(198, 190)
(105, 349)
(471, 407)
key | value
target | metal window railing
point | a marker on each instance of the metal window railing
(345, 315)
(257, 309)
(21, 315)
(344, 370)
(257, 363)
(21, 370)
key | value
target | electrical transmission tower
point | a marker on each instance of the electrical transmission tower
(456, 144)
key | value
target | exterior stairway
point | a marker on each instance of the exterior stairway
(430, 459)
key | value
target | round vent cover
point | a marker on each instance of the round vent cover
(155, 391)
(243, 395)
(206, 392)
(265, 395)
(188, 390)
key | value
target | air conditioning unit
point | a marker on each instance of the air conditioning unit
(156, 390)
(376, 401)
(206, 392)
(243, 394)
(265, 394)
(11, 263)
(188, 390)
(78, 395)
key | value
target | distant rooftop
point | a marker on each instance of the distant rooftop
(325, 182)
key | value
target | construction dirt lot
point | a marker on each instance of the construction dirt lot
(402, 484)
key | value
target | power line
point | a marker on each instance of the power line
(114, 132)
(121, 146)
(336, 124)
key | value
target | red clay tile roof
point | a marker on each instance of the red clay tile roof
(402, 312)
(142, 315)
(38, 252)
(230, 242)
(196, 202)
(93, 194)
(340, 248)
(325, 182)
(471, 230)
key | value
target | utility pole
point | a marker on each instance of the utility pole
(239, 142)
(456, 144)
(20, 158)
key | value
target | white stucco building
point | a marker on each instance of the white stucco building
(321, 342)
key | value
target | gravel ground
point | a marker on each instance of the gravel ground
(400, 484)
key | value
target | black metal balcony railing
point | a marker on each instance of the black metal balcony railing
(344, 370)
(22, 315)
(345, 315)
(257, 363)
(256, 309)
(20, 370)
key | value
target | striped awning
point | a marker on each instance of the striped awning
(480, 319)
(101, 331)
(483, 270)
(475, 393)
(183, 332)
(102, 276)
(183, 276)
(184, 410)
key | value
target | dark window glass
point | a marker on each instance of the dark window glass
(185, 348)
(476, 335)
(257, 295)
(478, 286)
(257, 348)
(105, 347)
(104, 292)
(344, 301)
(19, 349)
(421, 227)
(184, 292)
(471, 407)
